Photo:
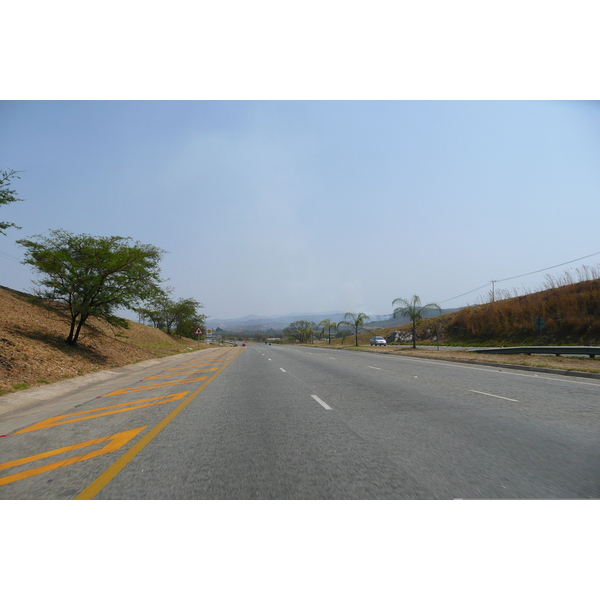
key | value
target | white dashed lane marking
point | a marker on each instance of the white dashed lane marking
(323, 404)
(493, 395)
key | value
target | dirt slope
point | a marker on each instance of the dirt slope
(33, 351)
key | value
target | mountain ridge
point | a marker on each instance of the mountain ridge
(277, 322)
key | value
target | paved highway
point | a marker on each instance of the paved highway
(271, 422)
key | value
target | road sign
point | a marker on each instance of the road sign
(539, 323)
(198, 331)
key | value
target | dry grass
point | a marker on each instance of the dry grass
(571, 312)
(563, 363)
(425, 335)
(33, 350)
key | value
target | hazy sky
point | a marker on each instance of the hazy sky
(273, 207)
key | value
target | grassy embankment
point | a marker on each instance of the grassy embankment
(571, 312)
(33, 350)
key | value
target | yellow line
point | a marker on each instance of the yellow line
(98, 484)
(104, 411)
(154, 386)
(116, 441)
(187, 368)
(179, 373)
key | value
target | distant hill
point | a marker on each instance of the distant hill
(254, 323)
(390, 321)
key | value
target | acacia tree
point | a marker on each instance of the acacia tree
(414, 311)
(7, 195)
(155, 310)
(93, 276)
(187, 317)
(329, 325)
(180, 317)
(356, 321)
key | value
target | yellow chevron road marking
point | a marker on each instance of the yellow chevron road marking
(152, 386)
(180, 373)
(101, 412)
(96, 486)
(114, 442)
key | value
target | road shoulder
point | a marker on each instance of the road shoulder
(572, 367)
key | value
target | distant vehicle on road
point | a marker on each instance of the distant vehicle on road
(378, 341)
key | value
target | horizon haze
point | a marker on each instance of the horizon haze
(279, 207)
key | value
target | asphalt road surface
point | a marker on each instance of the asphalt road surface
(285, 422)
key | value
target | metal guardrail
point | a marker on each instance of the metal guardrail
(591, 351)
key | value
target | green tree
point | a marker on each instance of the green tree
(329, 325)
(356, 321)
(156, 310)
(179, 317)
(187, 317)
(414, 311)
(301, 331)
(7, 195)
(93, 276)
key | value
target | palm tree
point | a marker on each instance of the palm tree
(414, 311)
(357, 320)
(329, 325)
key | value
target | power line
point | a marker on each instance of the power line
(548, 268)
(517, 276)
(461, 295)
(9, 257)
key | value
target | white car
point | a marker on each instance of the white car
(378, 341)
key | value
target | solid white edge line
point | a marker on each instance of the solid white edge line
(370, 367)
(323, 404)
(282, 370)
(493, 395)
(497, 369)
